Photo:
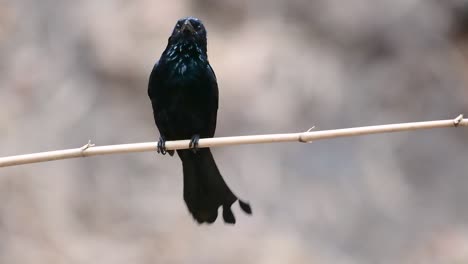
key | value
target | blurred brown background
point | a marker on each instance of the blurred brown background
(77, 70)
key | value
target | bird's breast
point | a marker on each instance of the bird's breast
(186, 70)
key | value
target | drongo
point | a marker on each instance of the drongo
(184, 95)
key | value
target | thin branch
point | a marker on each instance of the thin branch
(305, 137)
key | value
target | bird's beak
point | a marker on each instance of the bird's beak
(187, 27)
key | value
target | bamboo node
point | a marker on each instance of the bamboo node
(457, 120)
(301, 136)
(85, 147)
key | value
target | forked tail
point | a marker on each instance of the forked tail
(205, 189)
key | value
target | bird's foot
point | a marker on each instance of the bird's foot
(161, 148)
(193, 145)
(162, 145)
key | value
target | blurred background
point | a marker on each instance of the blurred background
(77, 70)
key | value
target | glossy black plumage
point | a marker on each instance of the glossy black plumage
(184, 95)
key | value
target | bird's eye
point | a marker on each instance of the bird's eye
(177, 25)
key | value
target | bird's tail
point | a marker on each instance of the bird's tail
(205, 189)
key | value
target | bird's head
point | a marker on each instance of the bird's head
(189, 31)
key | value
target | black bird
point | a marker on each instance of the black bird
(184, 95)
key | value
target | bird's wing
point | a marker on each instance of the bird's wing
(151, 82)
(214, 100)
(159, 113)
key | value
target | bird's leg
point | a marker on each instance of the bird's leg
(161, 145)
(194, 143)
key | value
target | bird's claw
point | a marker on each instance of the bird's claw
(162, 146)
(193, 145)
